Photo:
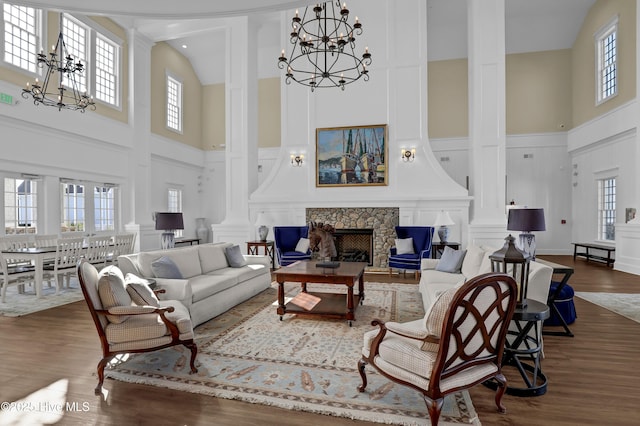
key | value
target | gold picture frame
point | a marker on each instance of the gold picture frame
(352, 156)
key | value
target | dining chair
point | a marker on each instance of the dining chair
(98, 249)
(19, 275)
(69, 251)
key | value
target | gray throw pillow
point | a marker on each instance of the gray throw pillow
(234, 256)
(164, 267)
(451, 260)
(140, 292)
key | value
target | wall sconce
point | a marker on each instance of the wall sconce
(297, 160)
(408, 155)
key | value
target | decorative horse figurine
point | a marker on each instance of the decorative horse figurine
(321, 239)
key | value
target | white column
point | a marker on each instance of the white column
(136, 211)
(628, 234)
(487, 140)
(241, 154)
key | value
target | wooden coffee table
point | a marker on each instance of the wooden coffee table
(330, 305)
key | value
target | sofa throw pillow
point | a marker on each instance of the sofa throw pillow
(451, 260)
(164, 267)
(112, 292)
(234, 256)
(404, 246)
(140, 292)
(303, 245)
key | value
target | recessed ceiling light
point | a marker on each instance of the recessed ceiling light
(184, 46)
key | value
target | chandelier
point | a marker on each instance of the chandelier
(61, 90)
(323, 53)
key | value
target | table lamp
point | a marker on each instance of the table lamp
(168, 222)
(526, 220)
(263, 230)
(443, 221)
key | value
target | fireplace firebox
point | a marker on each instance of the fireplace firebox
(354, 245)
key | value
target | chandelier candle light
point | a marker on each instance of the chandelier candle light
(67, 94)
(323, 53)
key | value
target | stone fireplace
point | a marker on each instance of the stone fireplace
(361, 229)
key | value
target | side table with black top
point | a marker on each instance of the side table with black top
(438, 248)
(252, 248)
(524, 351)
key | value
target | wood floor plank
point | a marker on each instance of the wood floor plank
(593, 377)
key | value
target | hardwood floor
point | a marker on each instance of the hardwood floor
(593, 377)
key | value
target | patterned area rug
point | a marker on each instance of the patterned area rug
(299, 363)
(19, 304)
(625, 304)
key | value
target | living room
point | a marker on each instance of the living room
(230, 163)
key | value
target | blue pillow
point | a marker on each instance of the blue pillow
(164, 267)
(451, 260)
(234, 256)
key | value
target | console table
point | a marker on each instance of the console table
(189, 241)
(252, 248)
(566, 272)
(438, 248)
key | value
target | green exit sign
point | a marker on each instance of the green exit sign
(6, 99)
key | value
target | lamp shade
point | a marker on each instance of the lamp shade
(260, 219)
(443, 219)
(526, 220)
(169, 221)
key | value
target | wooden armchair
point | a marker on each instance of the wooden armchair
(458, 344)
(125, 327)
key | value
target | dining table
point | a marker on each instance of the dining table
(37, 255)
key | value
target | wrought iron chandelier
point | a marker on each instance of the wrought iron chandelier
(323, 53)
(64, 92)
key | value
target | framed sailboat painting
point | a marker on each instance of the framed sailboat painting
(352, 156)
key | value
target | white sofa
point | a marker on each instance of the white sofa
(209, 286)
(476, 262)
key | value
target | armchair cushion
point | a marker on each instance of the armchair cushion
(165, 267)
(140, 292)
(112, 292)
(303, 245)
(234, 256)
(451, 260)
(404, 246)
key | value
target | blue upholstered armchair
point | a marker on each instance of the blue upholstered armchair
(410, 257)
(286, 239)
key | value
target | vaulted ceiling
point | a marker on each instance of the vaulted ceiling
(530, 26)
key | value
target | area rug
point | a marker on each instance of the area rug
(19, 304)
(625, 304)
(306, 364)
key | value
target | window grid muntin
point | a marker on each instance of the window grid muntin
(607, 209)
(106, 75)
(609, 65)
(174, 104)
(174, 205)
(75, 39)
(73, 204)
(20, 36)
(104, 208)
(20, 206)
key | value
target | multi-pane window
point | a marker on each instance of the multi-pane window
(72, 207)
(75, 38)
(106, 71)
(20, 206)
(21, 33)
(607, 209)
(174, 205)
(174, 104)
(607, 56)
(104, 208)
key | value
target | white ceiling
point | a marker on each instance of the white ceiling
(531, 25)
